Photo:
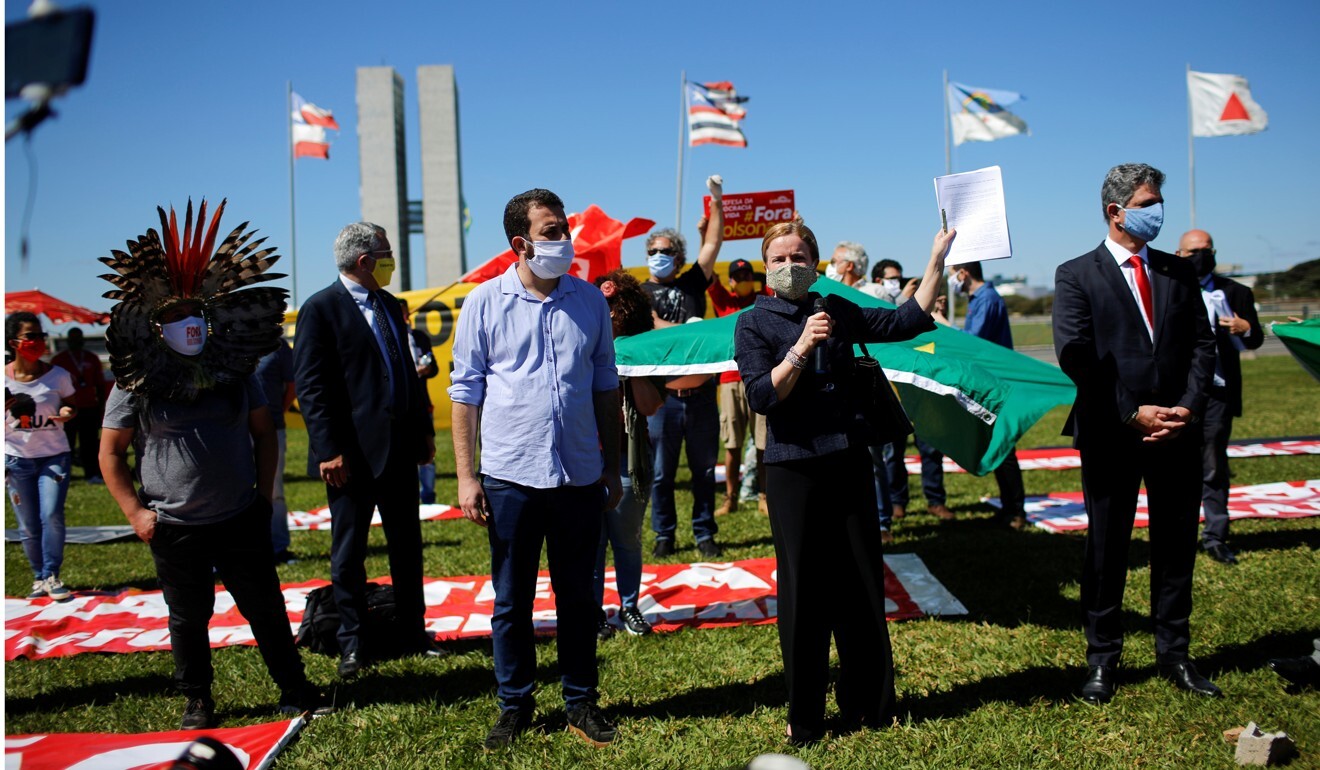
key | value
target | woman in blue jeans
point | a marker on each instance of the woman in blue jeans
(630, 313)
(37, 451)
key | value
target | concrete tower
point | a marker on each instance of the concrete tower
(442, 179)
(383, 160)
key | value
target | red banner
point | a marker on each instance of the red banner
(255, 747)
(597, 246)
(749, 215)
(1066, 511)
(673, 596)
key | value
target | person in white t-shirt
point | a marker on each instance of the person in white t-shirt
(37, 451)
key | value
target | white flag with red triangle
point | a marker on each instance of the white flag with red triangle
(1222, 105)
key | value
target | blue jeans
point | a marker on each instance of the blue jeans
(623, 532)
(696, 419)
(568, 520)
(932, 473)
(279, 507)
(426, 477)
(880, 469)
(37, 486)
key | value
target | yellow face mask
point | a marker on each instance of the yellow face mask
(383, 271)
(744, 288)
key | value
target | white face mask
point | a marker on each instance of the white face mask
(550, 259)
(186, 337)
(831, 273)
(891, 286)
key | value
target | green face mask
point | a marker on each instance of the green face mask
(383, 271)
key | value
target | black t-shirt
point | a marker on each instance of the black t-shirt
(683, 299)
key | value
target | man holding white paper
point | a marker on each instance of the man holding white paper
(1232, 310)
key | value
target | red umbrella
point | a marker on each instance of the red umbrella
(57, 310)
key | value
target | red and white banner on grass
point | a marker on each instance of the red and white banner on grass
(318, 519)
(255, 747)
(1066, 511)
(673, 596)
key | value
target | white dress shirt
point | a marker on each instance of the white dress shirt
(1121, 256)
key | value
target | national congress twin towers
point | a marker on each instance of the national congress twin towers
(438, 216)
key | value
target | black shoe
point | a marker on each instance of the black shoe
(286, 557)
(1186, 677)
(511, 724)
(604, 630)
(801, 737)
(1099, 686)
(663, 549)
(305, 700)
(350, 663)
(199, 714)
(634, 622)
(589, 723)
(1299, 672)
(709, 548)
(1221, 554)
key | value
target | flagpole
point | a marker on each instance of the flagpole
(1191, 152)
(293, 229)
(682, 122)
(944, 97)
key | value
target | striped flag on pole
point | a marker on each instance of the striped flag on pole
(714, 112)
(309, 125)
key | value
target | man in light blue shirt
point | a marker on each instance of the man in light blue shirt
(534, 373)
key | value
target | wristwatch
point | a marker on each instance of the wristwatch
(1132, 418)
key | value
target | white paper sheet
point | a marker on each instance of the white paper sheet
(973, 203)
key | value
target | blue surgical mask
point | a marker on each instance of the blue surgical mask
(661, 265)
(1144, 224)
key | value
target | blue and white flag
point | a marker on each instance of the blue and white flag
(978, 114)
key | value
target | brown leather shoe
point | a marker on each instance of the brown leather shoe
(761, 506)
(899, 512)
(940, 512)
(730, 505)
(886, 537)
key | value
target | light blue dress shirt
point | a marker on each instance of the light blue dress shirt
(362, 298)
(533, 366)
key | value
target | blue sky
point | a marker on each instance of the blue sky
(188, 99)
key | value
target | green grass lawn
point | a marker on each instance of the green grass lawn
(992, 689)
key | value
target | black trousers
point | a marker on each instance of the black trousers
(1216, 427)
(84, 439)
(394, 492)
(1012, 492)
(238, 549)
(1111, 477)
(831, 582)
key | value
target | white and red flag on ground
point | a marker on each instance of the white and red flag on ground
(1221, 105)
(597, 246)
(714, 113)
(309, 125)
(255, 747)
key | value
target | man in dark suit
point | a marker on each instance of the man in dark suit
(1131, 331)
(1232, 310)
(367, 430)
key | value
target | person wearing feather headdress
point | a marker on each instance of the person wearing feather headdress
(184, 340)
(367, 431)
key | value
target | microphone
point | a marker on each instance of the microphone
(822, 355)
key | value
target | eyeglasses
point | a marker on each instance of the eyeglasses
(387, 252)
(667, 252)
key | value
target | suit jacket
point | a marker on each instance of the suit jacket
(1243, 303)
(343, 385)
(1102, 344)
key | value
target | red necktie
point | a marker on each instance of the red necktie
(1143, 288)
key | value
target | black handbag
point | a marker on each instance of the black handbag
(879, 404)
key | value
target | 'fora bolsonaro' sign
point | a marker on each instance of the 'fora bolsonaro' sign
(749, 215)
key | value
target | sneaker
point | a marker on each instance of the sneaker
(38, 589)
(199, 714)
(511, 724)
(663, 549)
(305, 699)
(588, 722)
(55, 589)
(709, 548)
(634, 622)
(286, 557)
(604, 630)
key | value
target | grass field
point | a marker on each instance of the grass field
(992, 689)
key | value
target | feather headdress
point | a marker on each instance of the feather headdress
(153, 277)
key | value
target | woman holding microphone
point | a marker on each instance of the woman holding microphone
(795, 353)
